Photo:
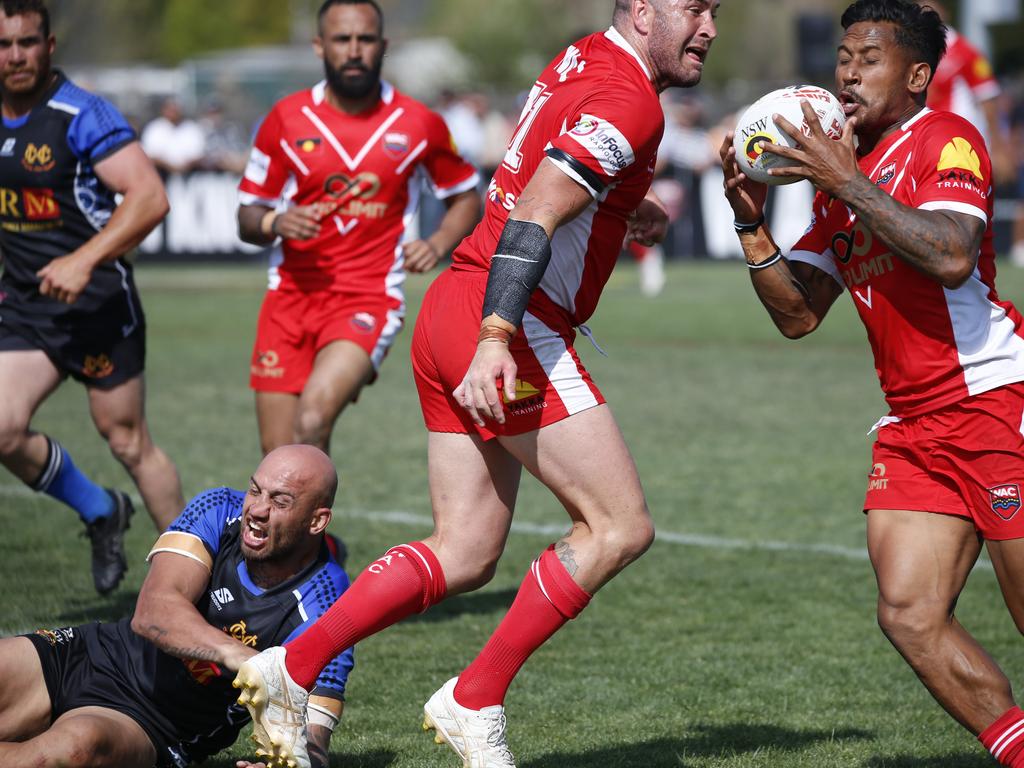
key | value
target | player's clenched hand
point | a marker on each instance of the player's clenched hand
(829, 164)
(648, 224)
(298, 223)
(745, 195)
(478, 392)
(420, 255)
(65, 278)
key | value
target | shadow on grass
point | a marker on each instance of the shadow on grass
(473, 603)
(110, 608)
(959, 760)
(705, 741)
(372, 759)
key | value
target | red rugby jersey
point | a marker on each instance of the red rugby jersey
(596, 115)
(963, 79)
(933, 346)
(306, 151)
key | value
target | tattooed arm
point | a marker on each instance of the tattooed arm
(166, 614)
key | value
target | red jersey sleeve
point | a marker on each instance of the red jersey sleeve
(608, 136)
(449, 173)
(815, 245)
(951, 168)
(267, 171)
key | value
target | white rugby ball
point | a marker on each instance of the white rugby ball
(756, 126)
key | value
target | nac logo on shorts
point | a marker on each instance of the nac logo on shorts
(1005, 500)
(363, 322)
(97, 366)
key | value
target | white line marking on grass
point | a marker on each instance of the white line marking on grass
(698, 540)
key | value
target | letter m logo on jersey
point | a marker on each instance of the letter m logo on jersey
(1005, 500)
(40, 204)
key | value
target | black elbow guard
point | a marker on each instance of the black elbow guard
(517, 267)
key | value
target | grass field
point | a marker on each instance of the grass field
(745, 637)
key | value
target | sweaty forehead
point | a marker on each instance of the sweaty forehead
(869, 34)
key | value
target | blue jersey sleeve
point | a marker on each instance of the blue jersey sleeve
(315, 597)
(208, 514)
(98, 130)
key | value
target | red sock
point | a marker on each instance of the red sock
(1005, 738)
(406, 580)
(547, 599)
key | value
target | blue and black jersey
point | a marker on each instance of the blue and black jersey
(51, 201)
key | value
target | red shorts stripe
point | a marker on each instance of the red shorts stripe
(551, 381)
(294, 325)
(966, 459)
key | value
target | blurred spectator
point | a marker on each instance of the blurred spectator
(175, 143)
(464, 122)
(965, 84)
(496, 133)
(225, 145)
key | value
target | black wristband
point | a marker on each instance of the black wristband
(773, 259)
(742, 229)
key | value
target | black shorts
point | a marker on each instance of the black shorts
(75, 679)
(98, 353)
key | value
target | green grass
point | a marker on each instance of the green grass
(744, 638)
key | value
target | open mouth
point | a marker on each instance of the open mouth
(254, 535)
(698, 54)
(849, 102)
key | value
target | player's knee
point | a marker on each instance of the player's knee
(83, 743)
(312, 426)
(127, 445)
(13, 434)
(628, 539)
(909, 624)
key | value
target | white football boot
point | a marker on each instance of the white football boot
(476, 735)
(278, 708)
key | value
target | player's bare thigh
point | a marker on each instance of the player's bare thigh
(584, 461)
(88, 737)
(921, 560)
(340, 370)
(1008, 562)
(27, 377)
(24, 701)
(275, 416)
(473, 488)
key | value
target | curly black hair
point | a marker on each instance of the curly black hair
(919, 29)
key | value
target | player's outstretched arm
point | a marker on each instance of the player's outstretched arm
(944, 245)
(166, 614)
(462, 214)
(128, 172)
(549, 200)
(797, 295)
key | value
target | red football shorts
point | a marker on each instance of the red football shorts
(551, 382)
(295, 325)
(966, 460)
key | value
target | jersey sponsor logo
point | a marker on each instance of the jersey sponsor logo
(571, 62)
(7, 150)
(266, 365)
(203, 672)
(877, 481)
(529, 399)
(605, 142)
(97, 366)
(40, 204)
(982, 69)
(886, 174)
(1005, 500)
(959, 153)
(57, 636)
(221, 597)
(38, 159)
(258, 167)
(363, 322)
(240, 632)
(957, 178)
(309, 146)
(338, 184)
(496, 194)
(396, 144)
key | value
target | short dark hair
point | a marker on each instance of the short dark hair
(328, 4)
(919, 29)
(22, 7)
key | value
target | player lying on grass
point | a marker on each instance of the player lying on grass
(235, 573)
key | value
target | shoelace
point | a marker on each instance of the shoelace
(496, 737)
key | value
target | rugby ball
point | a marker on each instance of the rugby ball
(756, 127)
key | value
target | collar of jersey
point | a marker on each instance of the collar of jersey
(58, 81)
(616, 37)
(288, 584)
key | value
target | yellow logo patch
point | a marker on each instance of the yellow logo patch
(960, 154)
(523, 389)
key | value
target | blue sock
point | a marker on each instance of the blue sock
(65, 482)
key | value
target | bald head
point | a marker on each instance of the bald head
(307, 467)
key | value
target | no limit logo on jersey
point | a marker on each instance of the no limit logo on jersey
(1005, 500)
